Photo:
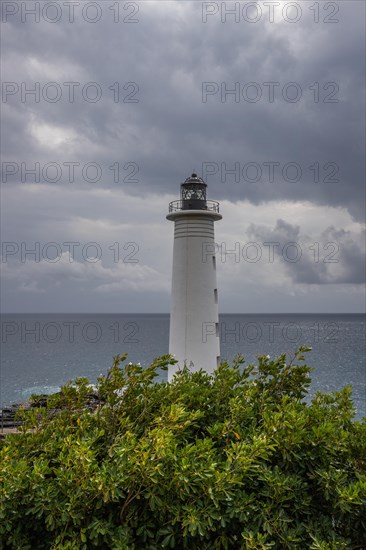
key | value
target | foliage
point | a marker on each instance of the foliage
(224, 461)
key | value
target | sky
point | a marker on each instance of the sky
(108, 106)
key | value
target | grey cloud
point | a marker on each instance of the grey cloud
(336, 256)
(169, 53)
(171, 132)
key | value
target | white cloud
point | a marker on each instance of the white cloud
(53, 137)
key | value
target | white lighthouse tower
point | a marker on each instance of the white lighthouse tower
(194, 320)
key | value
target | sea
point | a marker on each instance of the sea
(40, 353)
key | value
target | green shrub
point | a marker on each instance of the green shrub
(224, 461)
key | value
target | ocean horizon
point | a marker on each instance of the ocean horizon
(41, 352)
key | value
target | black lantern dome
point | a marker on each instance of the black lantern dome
(193, 193)
(193, 196)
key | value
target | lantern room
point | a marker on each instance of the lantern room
(193, 193)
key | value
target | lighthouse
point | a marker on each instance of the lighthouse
(194, 319)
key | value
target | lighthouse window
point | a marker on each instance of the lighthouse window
(217, 329)
(218, 358)
(193, 194)
(215, 294)
(214, 261)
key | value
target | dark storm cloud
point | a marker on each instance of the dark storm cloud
(169, 53)
(335, 257)
(315, 148)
